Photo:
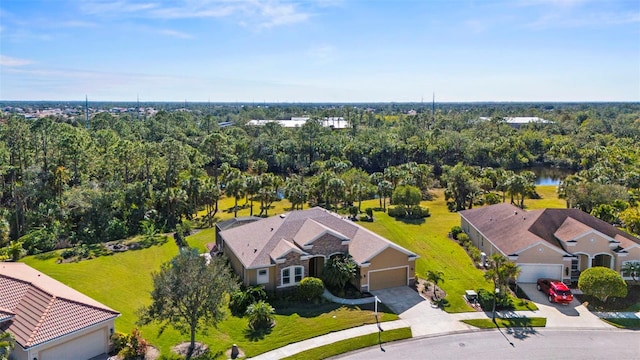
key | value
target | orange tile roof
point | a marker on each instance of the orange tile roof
(44, 308)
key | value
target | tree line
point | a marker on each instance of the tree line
(65, 182)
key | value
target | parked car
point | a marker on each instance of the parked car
(556, 291)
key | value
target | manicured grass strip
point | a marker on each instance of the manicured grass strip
(522, 322)
(622, 323)
(347, 345)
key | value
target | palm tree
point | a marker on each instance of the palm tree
(338, 271)
(235, 188)
(260, 315)
(434, 277)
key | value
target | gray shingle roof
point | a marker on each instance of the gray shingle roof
(265, 236)
(512, 229)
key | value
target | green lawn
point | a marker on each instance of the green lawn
(347, 345)
(123, 282)
(523, 322)
(428, 238)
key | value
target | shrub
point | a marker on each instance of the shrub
(602, 283)
(396, 211)
(310, 288)
(129, 346)
(492, 198)
(260, 315)
(464, 240)
(241, 299)
(485, 299)
(369, 212)
(455, 231)
(475, 255)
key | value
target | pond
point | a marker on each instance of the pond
(549, 175)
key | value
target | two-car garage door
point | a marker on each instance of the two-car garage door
(388, 278)
(530, 273)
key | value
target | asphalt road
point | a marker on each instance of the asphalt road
(530, 344)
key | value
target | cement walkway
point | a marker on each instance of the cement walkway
(425, 320)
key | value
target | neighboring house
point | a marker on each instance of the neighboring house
(553, 243)
(518, 121)
(279, 251)
(50, 320)
(296, 122)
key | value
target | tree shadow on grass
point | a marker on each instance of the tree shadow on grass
(47, 255)
(519, 327)
(411, 221)
(257, 334)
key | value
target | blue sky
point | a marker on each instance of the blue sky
(320, 50)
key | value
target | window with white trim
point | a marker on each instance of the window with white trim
(630, 269)
(291, 275)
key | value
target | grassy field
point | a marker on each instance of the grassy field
(122, 281)
(356, 343)
(428, 238)
(524, 322)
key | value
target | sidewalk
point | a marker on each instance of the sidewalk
(426, 320)
(330, 338)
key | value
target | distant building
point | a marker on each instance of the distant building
(518, 121)
(294, 122)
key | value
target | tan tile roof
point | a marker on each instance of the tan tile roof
(265, 235)
(512, 229)
(44, 308)
(5, 315)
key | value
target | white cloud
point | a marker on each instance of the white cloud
(260, 13)
(175, 34)
(12, 62)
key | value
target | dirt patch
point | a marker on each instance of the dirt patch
(182, 349)
(152, 353)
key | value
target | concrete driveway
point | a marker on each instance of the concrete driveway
(423, 318)
(573, 315)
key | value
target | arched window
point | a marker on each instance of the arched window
(291, 275)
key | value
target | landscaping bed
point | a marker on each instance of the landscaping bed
(629, 303)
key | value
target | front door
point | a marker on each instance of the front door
(316, 264)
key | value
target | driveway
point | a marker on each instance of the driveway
(423, 318)
(573, 315)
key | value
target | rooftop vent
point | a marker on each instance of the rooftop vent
(255, 250)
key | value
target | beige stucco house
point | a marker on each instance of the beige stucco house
(553, 243)
(279, 251)
(49, 320)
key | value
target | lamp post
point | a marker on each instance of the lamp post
(495, 295)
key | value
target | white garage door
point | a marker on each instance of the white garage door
(530, 273)
(81, 348)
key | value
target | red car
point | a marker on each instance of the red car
(556, 291)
